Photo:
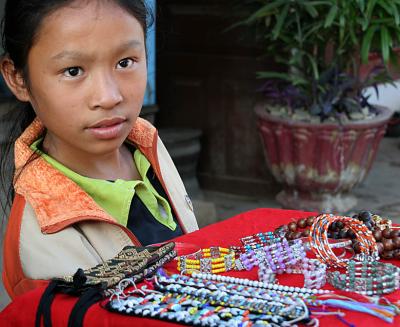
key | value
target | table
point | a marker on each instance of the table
(21, 312)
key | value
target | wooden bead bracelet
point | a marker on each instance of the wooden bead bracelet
(318, 239)
(209, 260)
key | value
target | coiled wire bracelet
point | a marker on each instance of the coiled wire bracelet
(320, 246)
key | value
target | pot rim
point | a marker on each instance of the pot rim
(384, 114)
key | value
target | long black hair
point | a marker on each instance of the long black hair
(20, 26)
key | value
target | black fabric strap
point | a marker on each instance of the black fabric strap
(44, 308)
(86, 300)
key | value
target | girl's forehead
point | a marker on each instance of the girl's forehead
(95, 7)
(86, 22)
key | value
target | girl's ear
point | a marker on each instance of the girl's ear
(14, 80)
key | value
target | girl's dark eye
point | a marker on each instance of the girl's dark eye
(73, 72)
(125, 63)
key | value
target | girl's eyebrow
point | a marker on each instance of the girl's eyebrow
(76, 55)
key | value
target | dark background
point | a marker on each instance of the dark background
(206, 79)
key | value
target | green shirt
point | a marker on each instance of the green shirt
(115, 197)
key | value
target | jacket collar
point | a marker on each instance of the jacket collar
(56, 200)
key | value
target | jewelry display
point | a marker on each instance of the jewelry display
(368, 278)
(200, 296)
(319, 240)
(212, 260)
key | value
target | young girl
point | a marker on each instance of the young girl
(90, 176)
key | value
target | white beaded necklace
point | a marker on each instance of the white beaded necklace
(290, 290)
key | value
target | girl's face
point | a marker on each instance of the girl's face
(87, 74)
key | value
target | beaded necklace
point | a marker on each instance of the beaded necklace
(199, 305)
(222, 294)
(196, 311)
(221, 298)
(290, 290)
(230, 288)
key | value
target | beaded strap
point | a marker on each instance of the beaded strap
(259, 240)
(228, 287)
(227, 294)
(199, 308)
(210, 260)
(320, 246)
(368, 278)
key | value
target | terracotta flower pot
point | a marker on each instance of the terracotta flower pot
(319, 163)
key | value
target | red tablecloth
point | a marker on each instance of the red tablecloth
(21, 312)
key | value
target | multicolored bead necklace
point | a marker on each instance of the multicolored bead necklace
(204, 305)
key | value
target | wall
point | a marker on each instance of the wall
(2, 3)
(150, 95)
(388, 96)
(206, 79)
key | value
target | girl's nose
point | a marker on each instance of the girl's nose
(105, 92)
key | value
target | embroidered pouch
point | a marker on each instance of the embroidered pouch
(93, 284)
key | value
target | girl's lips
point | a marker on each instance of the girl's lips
(108, 122)
(107, 132)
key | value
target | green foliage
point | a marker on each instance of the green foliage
(314, 39)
